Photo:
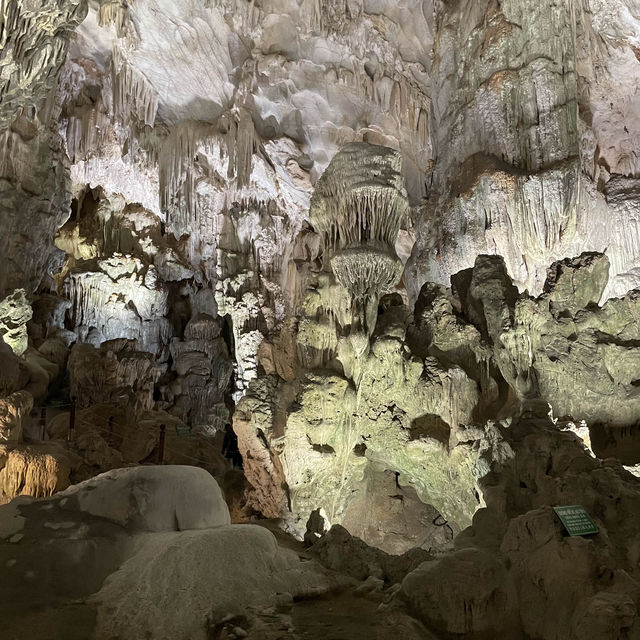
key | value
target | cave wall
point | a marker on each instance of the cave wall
(171, 175)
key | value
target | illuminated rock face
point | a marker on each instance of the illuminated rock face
(411, 400)
(532, 131)
(520, 154)
(324, 439)
(15, 312)
(34, 42)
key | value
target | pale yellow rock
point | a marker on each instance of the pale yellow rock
(33, 470)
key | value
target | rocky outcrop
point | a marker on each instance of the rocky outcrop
(198, 393)
(561, 346)
(480, 598)
(14, 409)
(518, 554)
(337, 549)
(14, 374)
(355, 415)
(121, 298)
(408, 404)
(575, 284)
(114, 371)
(15, 312)
(35, 187)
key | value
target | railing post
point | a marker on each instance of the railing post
(72, 420)
(110, 442)
(43, 422)
(161, 445)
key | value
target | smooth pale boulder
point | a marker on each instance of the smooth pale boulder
(150, 498)
(178, 583)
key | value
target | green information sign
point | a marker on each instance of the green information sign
(183, 430)
(576, 520)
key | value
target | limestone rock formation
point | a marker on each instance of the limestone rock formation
(116, 370)
(14, 409)
(34, 46)
(480, 350)
(524, 98)
(395, 244)
(35, 470)
(151, 498)
(313, 445)
(35, 187)
(120, 299)
(358, 205)
(14, 374)
(15, 312)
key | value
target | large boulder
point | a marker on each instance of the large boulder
(144, 552)
(467, 593)
(150, 498)
(207, 576)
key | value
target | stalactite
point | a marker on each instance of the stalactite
(86, 131)
(175, 156)
(176, 153)
(241, 145)
(361, 198)
(118, 14)
(330, 16)
(133, 95)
